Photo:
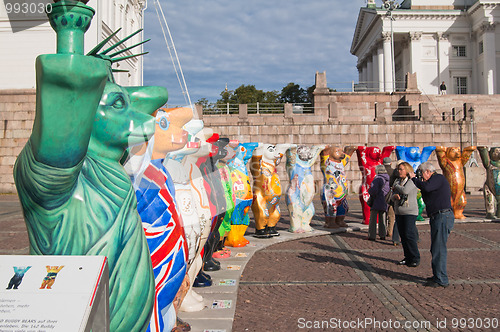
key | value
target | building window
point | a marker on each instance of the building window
(481, 47)
(459, 51)
(460, 85)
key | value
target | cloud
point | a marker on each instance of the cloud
(260, 42)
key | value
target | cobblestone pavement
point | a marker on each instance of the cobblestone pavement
(13, 235)
(343, 282)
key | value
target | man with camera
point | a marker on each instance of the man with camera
(437, 198)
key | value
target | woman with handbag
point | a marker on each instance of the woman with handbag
(406, 210)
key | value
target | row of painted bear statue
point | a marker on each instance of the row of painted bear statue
(194, 193)
(182, 195)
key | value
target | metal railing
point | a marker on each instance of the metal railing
(214, 109)
(266, 108)
(257, 108)
(304, 108)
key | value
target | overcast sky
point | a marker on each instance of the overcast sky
(266, 43)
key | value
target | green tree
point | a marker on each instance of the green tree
(271, 97)
(248, 94)
(227, 96)
(293, 93)
(310, 95)
(204, 103)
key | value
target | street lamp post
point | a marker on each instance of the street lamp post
(390, 6)
(472, 160)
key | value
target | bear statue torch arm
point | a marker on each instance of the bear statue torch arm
(76, 197)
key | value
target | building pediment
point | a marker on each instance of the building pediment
(366, 19)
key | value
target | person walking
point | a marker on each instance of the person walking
(392, 228)
(437, 198)
(378, 189)
(406, 210)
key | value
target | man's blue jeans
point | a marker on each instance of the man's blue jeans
(441, 226)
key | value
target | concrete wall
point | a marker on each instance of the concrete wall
(372, 119)
(339, 118)
(17, 112)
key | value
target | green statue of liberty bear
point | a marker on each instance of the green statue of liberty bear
(76, 197)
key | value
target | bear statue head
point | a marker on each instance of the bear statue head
(304, 153)
(124, 118)
(374, 153)
(495, 154)
(453, 153)
(336, 153)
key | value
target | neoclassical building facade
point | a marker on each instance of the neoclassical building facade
(23, 40)
(451, 41)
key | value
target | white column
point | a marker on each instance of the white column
(474, 81)
(374, 84)
(111, 14)
(489, 57)
(405, 56)
(415, 52)
(364, 76)
(443, 46)
(380, 68)
(361, 69)
(361, 73)
(387, 62)
(369, 72)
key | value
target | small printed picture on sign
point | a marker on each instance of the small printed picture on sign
(49, 280)
(227, 282)
(222, 304)
(241, 254)
(16, 280)
(234, 267)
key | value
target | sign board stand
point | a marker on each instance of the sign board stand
(54, 293)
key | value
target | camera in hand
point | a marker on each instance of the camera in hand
(419, 174)
(404, 198)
